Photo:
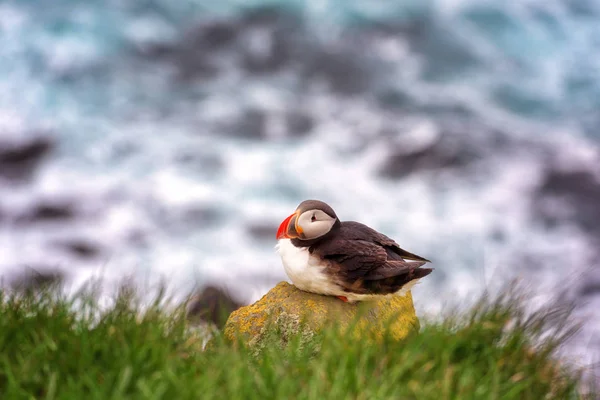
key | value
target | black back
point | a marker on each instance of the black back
(366, 261)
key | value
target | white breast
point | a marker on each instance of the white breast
(305, 270)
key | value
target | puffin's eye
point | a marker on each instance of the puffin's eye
(313, 218)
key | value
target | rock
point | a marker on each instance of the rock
(266, 44)
(194, 54)
(80, 247)
(50, 211)
(202, 162)
(36, 278)
(18, 160)
(214, 35)
(212, 305)
(293, 310)
(261, 230)
(394, 98)
(579, 194)
(589, 288)
(344, 71)
(183, 217)
(298, 123)
(448, 152)
(259, 41)
(252, 124)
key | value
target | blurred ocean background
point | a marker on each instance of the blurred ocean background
(167, 139)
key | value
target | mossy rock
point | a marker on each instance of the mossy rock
(291, 310)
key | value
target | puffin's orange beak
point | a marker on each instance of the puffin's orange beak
(288, 228)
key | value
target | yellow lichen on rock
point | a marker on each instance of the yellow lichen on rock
(290, 309)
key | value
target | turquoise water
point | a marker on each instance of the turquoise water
(534, 59)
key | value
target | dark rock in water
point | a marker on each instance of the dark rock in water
(212, 305)
(80, 247)
(590, 281)
(252, 124)
(184, 218)
(299, 123)
(194, 65)
(579, 192)
(25, 152)
(343, 71)
(446, 152)
(216, 35)
(19, 160)
(193, 53)
(264, 52)
(207, 163)
(196, 55)
(202, 215)
(262, 231)
(394, 98)
(266, 43)
(269, 39)
(138, 238)
(155, 51)
(259, 41)
(51, 211)
(36, 278)
(590, 288)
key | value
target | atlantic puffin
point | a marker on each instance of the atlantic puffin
(348, 260)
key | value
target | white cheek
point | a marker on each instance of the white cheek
(316, 229)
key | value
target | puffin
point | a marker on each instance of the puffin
(348, 260)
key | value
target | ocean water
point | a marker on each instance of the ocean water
(167, 140)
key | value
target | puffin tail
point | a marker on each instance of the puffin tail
(413, 280)
(421, 273)
(410, 256)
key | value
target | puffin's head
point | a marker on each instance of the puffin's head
(312, 220)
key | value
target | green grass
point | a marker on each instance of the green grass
(49, 351)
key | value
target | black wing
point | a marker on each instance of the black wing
(358, 231)
(365, 260)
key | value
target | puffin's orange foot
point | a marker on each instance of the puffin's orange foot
(343, 298)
